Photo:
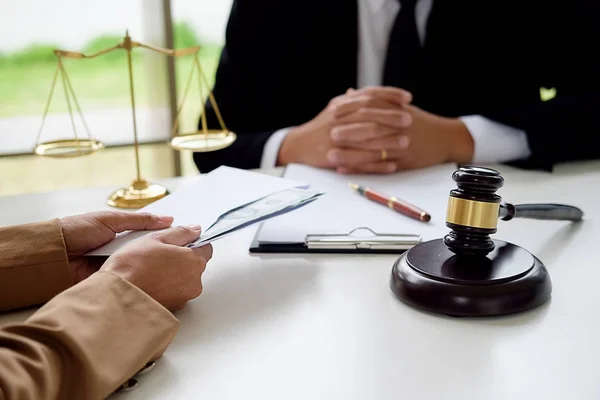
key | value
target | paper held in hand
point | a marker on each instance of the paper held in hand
(222, 202)
(270, 206)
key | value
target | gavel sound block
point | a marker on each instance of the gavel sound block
(468, 274)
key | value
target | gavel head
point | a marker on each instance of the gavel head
(473, 209)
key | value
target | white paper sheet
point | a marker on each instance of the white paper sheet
(341, 210)
(204, 201)
(273, 205)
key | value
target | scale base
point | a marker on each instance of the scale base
(137, 195)
(508, 280)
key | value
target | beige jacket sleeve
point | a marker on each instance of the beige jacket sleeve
(33, 264)
(86, 341)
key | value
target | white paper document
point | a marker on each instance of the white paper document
(204, 201)
(343, 210)
(270, 206)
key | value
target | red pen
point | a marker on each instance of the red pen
(392, 202)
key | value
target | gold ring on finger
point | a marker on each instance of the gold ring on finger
(384, 155)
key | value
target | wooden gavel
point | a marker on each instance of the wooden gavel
(474, 209)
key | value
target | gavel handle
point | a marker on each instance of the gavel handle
(562, 212)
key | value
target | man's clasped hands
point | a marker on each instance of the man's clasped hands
(376, 130)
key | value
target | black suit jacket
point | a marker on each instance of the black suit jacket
(284, 60)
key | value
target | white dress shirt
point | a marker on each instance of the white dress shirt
(494, 142)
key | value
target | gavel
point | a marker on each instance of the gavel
(474, 209)
(467, 274)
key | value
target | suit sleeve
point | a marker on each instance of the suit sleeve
(244, 63)
(84, 343)
(562, 129)
(33, 264)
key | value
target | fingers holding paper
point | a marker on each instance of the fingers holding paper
(159, 265)
(89, 231)
(183, 236)
(85, 232)
(179, 235)
(205, 251)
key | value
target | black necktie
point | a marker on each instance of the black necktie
(402, 64)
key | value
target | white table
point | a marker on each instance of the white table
(328, 327)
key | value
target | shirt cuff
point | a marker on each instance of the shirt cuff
(271, 149)
(495, 142)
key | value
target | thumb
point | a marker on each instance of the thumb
(179, 235)
(120, 221)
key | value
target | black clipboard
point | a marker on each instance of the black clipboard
(342, 243)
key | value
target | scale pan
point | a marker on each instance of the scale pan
(203, 142)
(68, 148)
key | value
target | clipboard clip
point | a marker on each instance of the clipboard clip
(368, 240)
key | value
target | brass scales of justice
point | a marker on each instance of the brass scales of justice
(140, 192)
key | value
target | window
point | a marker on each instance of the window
(29, 32)
(197, 22)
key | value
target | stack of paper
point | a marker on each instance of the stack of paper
(252, 197)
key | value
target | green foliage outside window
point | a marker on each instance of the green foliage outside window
(26, 74)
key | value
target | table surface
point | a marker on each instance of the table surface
(328, 326)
